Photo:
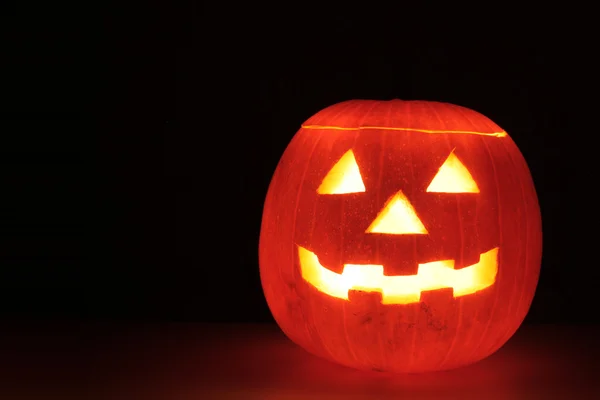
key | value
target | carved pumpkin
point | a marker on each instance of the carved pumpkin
(400, 236)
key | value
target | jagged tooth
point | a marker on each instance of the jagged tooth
(467, 259)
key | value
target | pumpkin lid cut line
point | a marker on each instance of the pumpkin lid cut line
(391, 128)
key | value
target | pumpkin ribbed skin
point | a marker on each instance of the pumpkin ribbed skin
(399, 146)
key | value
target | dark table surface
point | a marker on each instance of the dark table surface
(245, 362)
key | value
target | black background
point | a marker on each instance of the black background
(139, 145)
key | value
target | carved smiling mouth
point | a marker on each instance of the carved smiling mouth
(402, 289)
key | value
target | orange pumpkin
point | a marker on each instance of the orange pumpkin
(400, 236)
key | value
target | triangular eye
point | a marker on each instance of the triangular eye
(343, 178)
(453, 177)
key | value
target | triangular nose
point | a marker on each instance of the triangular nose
(398, 217)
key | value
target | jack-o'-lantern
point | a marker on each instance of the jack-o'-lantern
(400, 236)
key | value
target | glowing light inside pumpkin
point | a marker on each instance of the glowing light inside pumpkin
(453, 177)
(343, 178)
(398, 217)
(400, 289)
